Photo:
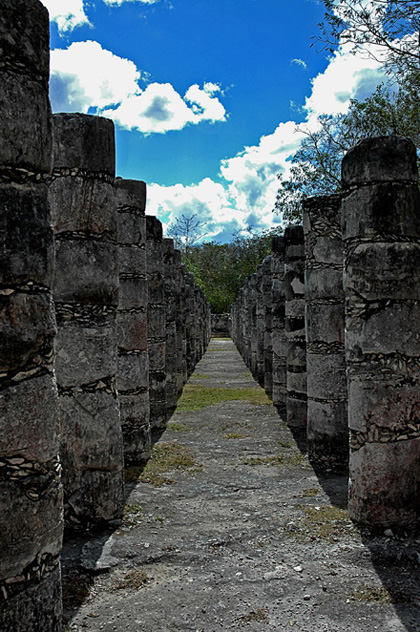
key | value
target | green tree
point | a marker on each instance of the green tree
(391, 26)
(316, 166)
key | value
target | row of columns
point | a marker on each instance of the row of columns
(336, 309)
(95, 326)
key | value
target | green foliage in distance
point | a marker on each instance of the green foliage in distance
(316, 166)
(220, 269)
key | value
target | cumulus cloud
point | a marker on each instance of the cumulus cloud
(246, 191)
(88, 78)
(347, 76)
(68, 14)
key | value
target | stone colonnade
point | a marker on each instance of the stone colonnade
(95, 325)
(344, 333)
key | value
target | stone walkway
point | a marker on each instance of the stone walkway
(249, 538)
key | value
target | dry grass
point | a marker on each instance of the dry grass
(165, 458)
(196, 396)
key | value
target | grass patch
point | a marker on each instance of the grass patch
(323, 523)
(196, 396)
(131, 514)
(279, 460)
(310, 492)
(259, 614)
(234, 435)
(380, 595)
(200, 376)
(285, 444)
(134, 580)
(175, 426)
(165, 457)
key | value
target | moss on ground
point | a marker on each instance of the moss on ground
(196, 396)
(199, 376)
(383, 594)
(133, 580)
(175, 426)
(234, 435)
(280, 460)
(327, 522)
(259, 614)
(165, 458)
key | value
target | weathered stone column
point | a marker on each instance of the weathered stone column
(190, 323)
(252, 311)
(381, 231)
(31, 507)
(181, 336)
(133, 357)
(86, 298)
(156, 323)
(170, 281)
(279, 340)
(267, 290)
(327, 429)
(259, 325)
(294, 268)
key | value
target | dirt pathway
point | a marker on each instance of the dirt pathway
(247, 537)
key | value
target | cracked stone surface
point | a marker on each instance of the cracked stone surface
(237, 544)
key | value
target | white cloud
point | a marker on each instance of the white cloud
(68, 14)
(87, 78)
(299, 62)
(346, 77)
(246, 193)
(85, 75)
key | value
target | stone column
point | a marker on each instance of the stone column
(279, 340)
(170, 308)
(267, 290)
(190, 323)
(294, 268)
(381, 232)
(252, 314)
(86, 299)
(259, 325)
(181, 337)
(31, 507)
(133, 357)
(156, 323)
(327, 429)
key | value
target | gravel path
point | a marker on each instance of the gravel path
(250, 539)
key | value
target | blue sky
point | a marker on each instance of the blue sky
(205, 95)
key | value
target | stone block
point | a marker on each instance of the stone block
(25, 235)
(381, 159)
(25, 130)
(133, 372)
(85, 354)
(84, 142)
(324, 283)
(133, 293)
(86, 272)
(22, 433)
(325, 323)
(27, 325)
(131, 229)
(132, 331)
(382, 479)
(83, 205)
(326, 376)
(131, 260)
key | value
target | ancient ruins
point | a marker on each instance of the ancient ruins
(101, 327)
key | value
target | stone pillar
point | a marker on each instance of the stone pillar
(181, 337)
(381, 229)
(294, 268)
(252, 314)
(31, 522)
(267, 290)
(279, 340)
(190, 323)
(86, 299)
(156, 323)
(133, 357)
(327, 429)
(170, 281)
(259, 325)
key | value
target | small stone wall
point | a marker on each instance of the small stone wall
(220, 325)
(344, 332)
